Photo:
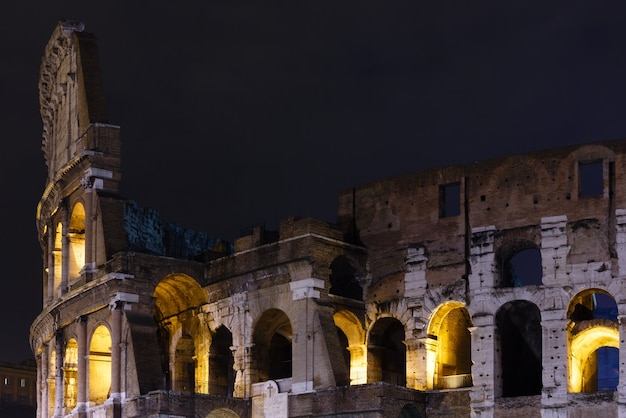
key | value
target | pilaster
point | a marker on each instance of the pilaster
(482, 395)
(554, 249)
(307, 369)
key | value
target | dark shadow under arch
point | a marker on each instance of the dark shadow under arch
(520, 343)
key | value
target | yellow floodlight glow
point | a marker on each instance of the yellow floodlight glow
(447, 347)
(349, 324)
(582, 346)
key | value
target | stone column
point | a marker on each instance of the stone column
(417, 346)
(58, 376)
(554, 249)
(482, 396)
(49, 290)
(116, 337)
(621, 386)
(482, 277)
(65, 251)
(482, 280)
(42, 383)
(417, 363)
(309, 367)
(242, 346)
(90, 229)
(620, 240)
(83, 365)
(554, 361)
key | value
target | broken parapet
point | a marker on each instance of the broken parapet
(147, 232)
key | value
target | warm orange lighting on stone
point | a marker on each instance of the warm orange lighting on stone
(100, 365)
(448, 357)
(351, 327)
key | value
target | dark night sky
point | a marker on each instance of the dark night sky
(236, 113)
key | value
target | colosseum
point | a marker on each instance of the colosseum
(492, 289)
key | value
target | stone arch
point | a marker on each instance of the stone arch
(349, 327)
(519, 347)
(449, 358)
(272, 350)
(387, 352)
(343, 279)
(221, 361)
(70, 375)
(100, 365)
(177, 312)
(76, 241)
(175, 294)
(592, 315)
(519, 263)
(222, 413)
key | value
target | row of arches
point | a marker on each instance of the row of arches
(381, 353)
(99, 371)
(198, 360)
(66, 242)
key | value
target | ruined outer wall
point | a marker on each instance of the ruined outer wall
(511, 193)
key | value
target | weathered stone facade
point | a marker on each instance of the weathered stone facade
(490, 289)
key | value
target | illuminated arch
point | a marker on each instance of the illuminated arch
(100, 365)
(593, 325)
(449, 359)
(177, 293)
(58, 259)
(584, 344)
(178, 299)
(354, 333)
(70, 375)
(77, 241)
(272, 351)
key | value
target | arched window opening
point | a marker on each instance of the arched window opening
(343, 280)
(184, 365)
(58, 259)
(221, 373)
(100, 365)
(520, 338)
(70, 375)
(593, 342)
(177, 298)
(451, 343)
(520, 264)
(77, 241)
(607, 359)
(387, 352)
(280, 357)
(272, 353)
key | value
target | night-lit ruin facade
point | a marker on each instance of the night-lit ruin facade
(493, 289)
